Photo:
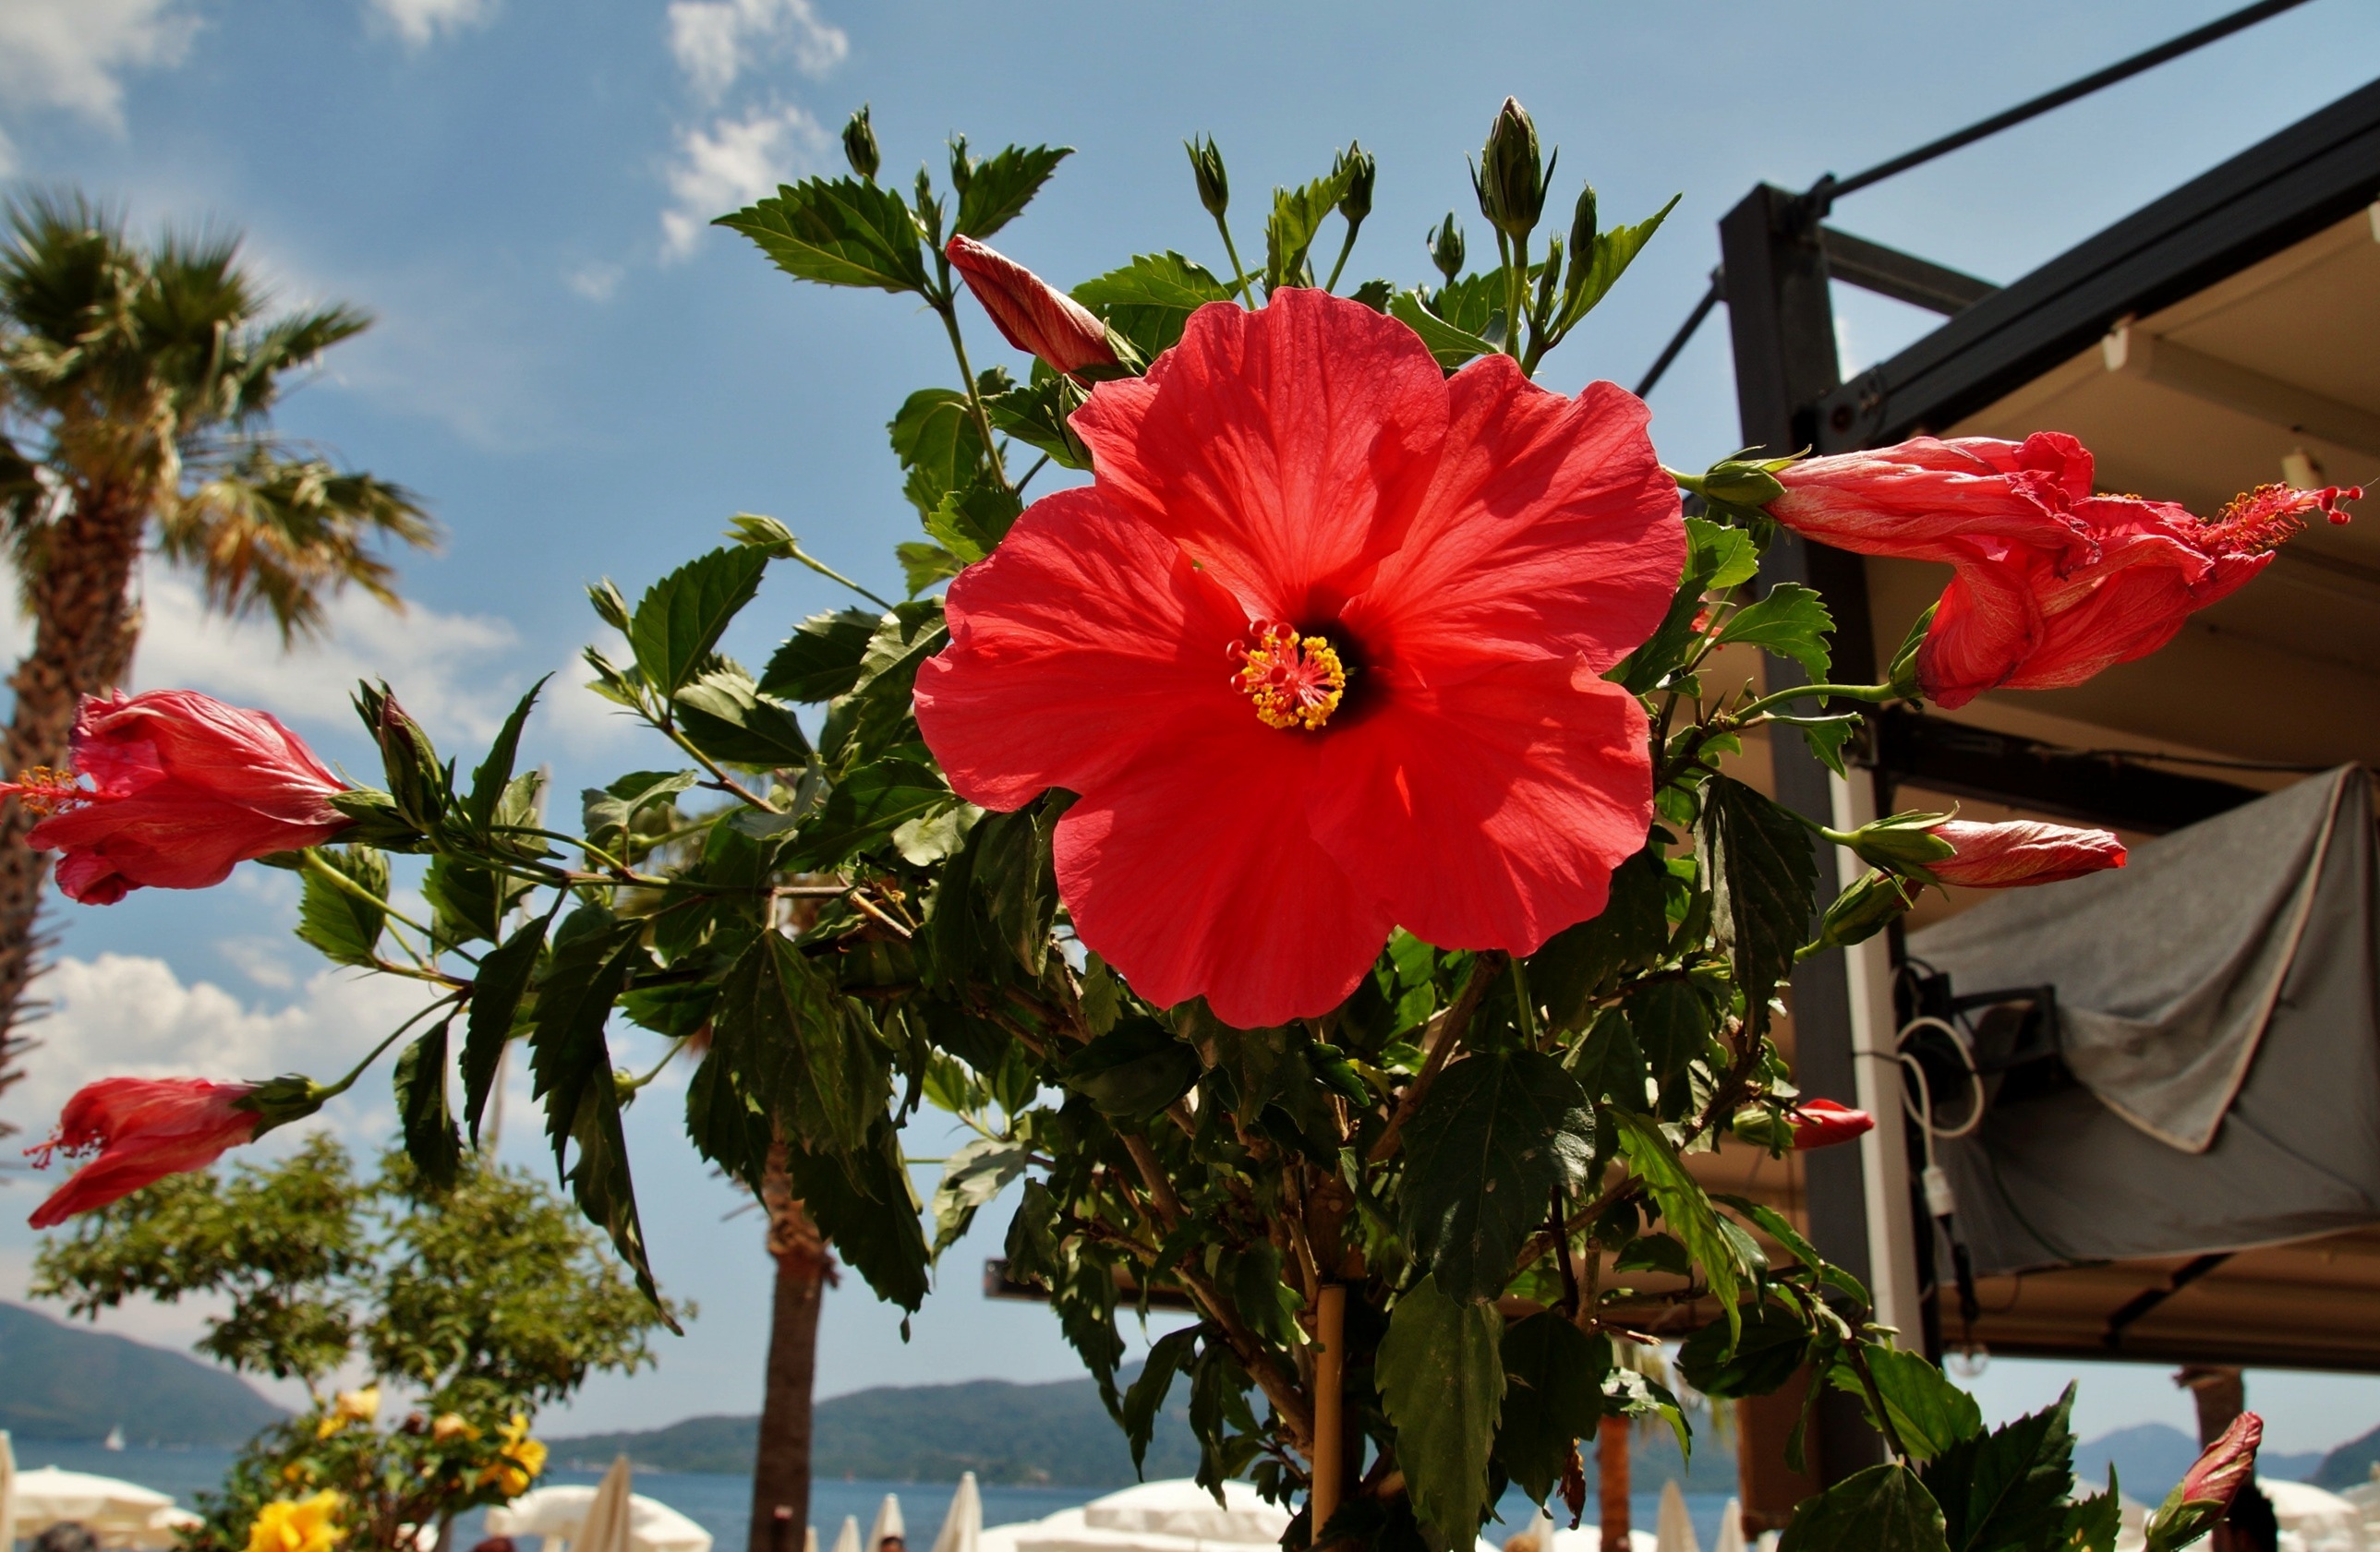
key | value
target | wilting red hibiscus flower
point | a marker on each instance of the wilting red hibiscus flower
(142, 1130)
(2053, 583)
(1320, 651)
(2020, 853)
(183, 788)
(1822, 1124)
(1034, 315)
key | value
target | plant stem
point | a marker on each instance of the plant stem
(1346, 247)
(1239, 273)
(1876, 1400)
(1450, 1035)
(373, 1055)
(345, 885)
(726, 783)
(1873, 695)
(834, 576)
(967, 373)
(1517, 290)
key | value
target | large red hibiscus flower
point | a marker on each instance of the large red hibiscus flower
(1321, 652)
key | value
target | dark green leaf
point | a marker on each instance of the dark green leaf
(1014, 869)
(1930, 1413)
(800, 1048)
(1581, 960)
(874, 713)
(2094, 1525)
(495, 999)
(2007, 1488)
(1148, 301)
(1764, 880)
(923, 566)
(346, 929)
(725, 715)
(1883, 1509)
(1671, 1025)
(1441, 1381)
(867, 806)
(724, 1125)
(430, 1140)
(1134, 1071)
(1219, 1418)
(1827, 735)
(1792, 621)
(935, 438)
(681, 617)
(1167, 1356)
(1655, 1253)
(495, 772)
(1001, 185)
(1037, 414)
(864, 1204)
(1718, 560)
(1553, 1396)
(1484, 1153)
(1684, 1207)
(838, 233)
(971, 523)
(822, 658)
(1765, 1354)
(469, 903)
(1450, 346)
(1296, 220)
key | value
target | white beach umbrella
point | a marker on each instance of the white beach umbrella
(1672, 1529)
(1730, 1528)
(888, 1523)
(962, 1526)
(560, 1514)
(7, 1486)
(2318, 1521)
(606, 1526)
(121, 1514)
(847, 1540)
(809, 1538)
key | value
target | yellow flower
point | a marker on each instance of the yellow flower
(518, 1461)
(351, 1406)
(450, 1426)
(302, 1525)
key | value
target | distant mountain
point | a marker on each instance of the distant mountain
(2149, 1458)
(1056, 1435)
(63, 1382)
(2350, 1465)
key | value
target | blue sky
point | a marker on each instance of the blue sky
(584, 380)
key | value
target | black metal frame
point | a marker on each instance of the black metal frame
(2318, 171)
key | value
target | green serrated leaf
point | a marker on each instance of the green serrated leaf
(1671, 1022)
(805, 1054)
(2007, 1488)
(428, 1127)
(1580, 962)
(1441, 1381)
(1595, 272)
(970, 524)
(1134, 1071)
(868, 806)
(842, 232)
(495, 772)
(496, 991)
(935, 438)
(874, 714)
(680, 619)
(1001, 185)
(1883, 1509)
(1764, 881)
(1450, 346)
(1792, 621)
(820, 661)
(344, 928)
(1684, 1207)
(1485, 1151)
(971, 1178)
(1167, 1356)
(1930, 1413)
(1553, 1396)
(1150, 299)
(1765, 1351)
(725, 1126)
(725, 715)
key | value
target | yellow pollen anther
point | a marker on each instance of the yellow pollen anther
(1294, 681)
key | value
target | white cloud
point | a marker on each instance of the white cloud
(596, 281)
(74, 53)
(734, 162)
(717, 40)
(420, 21)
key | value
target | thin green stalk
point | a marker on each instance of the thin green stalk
(1239, 272)
(1517, 290)
(345, 885)
(945, 305)
(1527, 1003)
(334, 1090)
(1346, 246)
(834, 576)
(1875, 695)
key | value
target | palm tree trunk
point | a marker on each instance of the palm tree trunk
(1612, 1439)
(85, 625)
(781, 1467)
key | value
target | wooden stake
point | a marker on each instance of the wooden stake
(1330, 1377)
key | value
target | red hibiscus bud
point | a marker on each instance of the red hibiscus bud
(183, 788)
(2020, 853)
(142, 1130)
(1822, 1124)
(2227, 1464)
(1035, 316)
(2052, 582)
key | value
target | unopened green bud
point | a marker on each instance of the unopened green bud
(1512, 176)
(1873, 901)
(1903, 675)
(1357, 166)
(1901, 842)
(1582, 223)
(1763, 1127)
(1742, 483)
(860, 145)
(1446, 247)
(962, 165)
(1207, 166)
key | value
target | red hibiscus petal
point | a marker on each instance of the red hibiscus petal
(1489, 815)
(1989, 620)
(1549, 531)
(1284, 449)
(1073, 646)
(1194, 872)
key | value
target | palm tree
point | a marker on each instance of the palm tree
(137, 384)
(805, 1269)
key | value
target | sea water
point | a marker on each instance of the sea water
(722, 1503)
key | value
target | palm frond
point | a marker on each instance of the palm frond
(274, 534)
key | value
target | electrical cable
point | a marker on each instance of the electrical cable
(1940, 1200)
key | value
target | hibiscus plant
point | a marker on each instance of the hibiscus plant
(1303, 849)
